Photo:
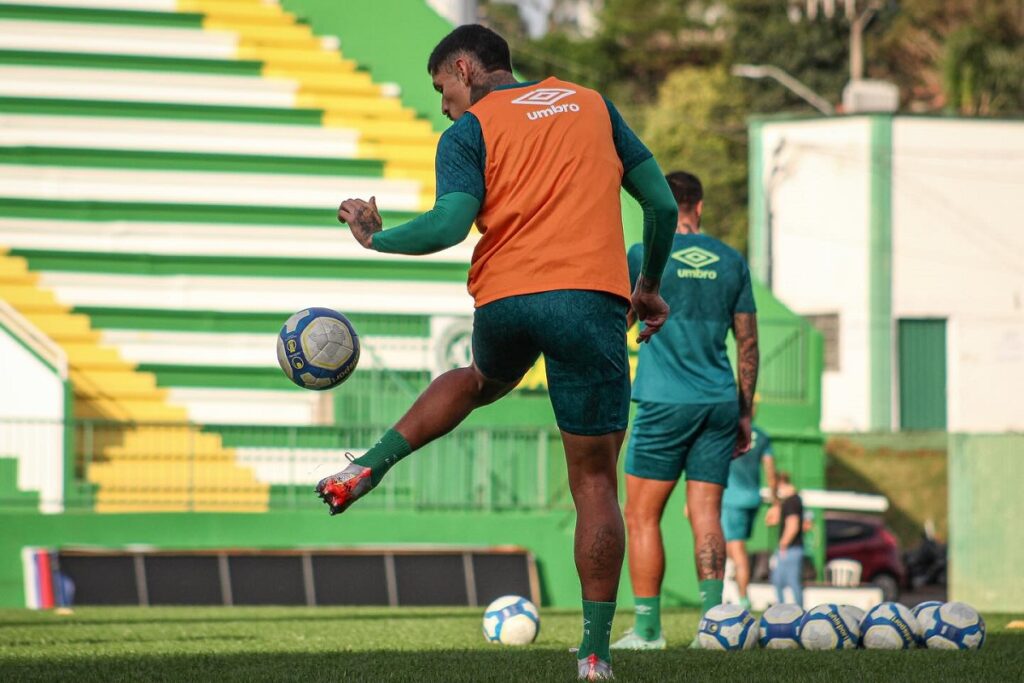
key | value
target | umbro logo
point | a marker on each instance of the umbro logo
(544, 96)
(547, 98)
(697, 259)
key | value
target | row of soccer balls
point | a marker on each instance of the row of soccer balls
(886, 626)
(514, 620)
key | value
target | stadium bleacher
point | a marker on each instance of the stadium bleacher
(169, 173)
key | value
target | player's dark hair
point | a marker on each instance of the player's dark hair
(783, 478)
(686, 188)
(488, 47)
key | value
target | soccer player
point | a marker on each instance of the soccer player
(690, 415)
(539, 167)
(741, 501)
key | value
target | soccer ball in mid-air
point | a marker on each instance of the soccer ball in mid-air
(953, 626)
(318, 348)
(825, 627)
(889, 626)
(780, 627)
(921, 612)
(511, 620)
(727, 627)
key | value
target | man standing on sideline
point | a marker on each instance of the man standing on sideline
(742, 500)
(538, 166)
(690, 415)
(789, 558)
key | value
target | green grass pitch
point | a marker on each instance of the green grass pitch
(374, 644)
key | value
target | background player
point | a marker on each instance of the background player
(690, 416)
(789, 558)
(742, 500)
(539, 167)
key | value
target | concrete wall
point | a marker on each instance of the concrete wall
(922, 220)
(817, 178)
(32, 404)
(957, 241)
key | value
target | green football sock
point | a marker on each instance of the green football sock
(597, 630)
(648, 618)
(391, 448)
(710, 594)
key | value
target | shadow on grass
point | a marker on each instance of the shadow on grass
(1002, 655)
(240, 617)
(120, 640)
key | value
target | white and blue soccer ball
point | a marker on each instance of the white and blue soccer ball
(318, 348)
(511, 620)
(853, 614)
(727, 627)
(780, 627)
(953, 626)
(889, 626)
(921, 612)
(826, 627)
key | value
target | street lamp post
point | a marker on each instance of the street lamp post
(812, 98)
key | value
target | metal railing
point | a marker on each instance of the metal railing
(111, 466)
(128, 466)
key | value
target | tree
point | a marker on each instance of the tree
(814, 51)
(698, 124)
(638, 44)
(965, 56)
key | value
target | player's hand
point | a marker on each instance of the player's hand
(774, 515)
(650, 308)
(742, 437)
(363, 219)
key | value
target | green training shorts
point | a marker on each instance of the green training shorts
(582, 335)
(668, 438)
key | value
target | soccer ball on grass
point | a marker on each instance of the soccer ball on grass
(889, 626)
(953, 626)
(511, 620)
(827, 627)
(727, 627)
(780, 627)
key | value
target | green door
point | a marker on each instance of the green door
(922, 349)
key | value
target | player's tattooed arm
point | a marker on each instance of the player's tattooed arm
(363, 219)
(744, 327)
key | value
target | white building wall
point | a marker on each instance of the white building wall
(819, 199)
(958, 238)
(31, 421)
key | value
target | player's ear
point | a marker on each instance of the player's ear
(464, 70)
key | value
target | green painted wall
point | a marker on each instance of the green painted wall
(880, 335)
(985, 511)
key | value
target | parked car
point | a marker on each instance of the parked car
(866, 539)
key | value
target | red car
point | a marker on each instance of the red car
(865, 538)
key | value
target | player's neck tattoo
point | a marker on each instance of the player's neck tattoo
(484, 83)
(686, 226)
